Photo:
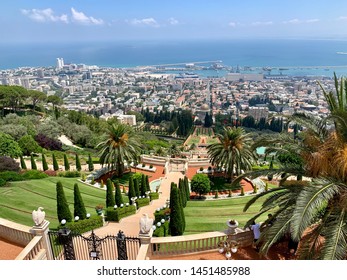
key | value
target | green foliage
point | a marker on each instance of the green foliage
(63, 211)
(22, 163)
(28, 145)
(33, 163)
(176, 219)
(8, 146)
(55, 163)
(85, 225)
(131, 189)
(9, 176)
(162, 231)
(200, 184)
(110, 199)
(44, 163)
(161, 214)
(69, 174)
(118, 194)
(186, 185)
(116, 215)
(66, 163)
(137, 187)
(2, 182)
(143, 187)
(78, 163)
(33, 174)
(153, 195)
(79, 208)
(90, 163)
(140, 202)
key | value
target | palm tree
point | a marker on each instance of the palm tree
(119, 146)
(232, 151)
(315, 213)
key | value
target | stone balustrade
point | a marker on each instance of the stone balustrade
(14, 232)
(35, 250)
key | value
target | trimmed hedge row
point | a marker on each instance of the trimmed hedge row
(116, 215)
(69, 174)
(162, 231)
(142, 202)
(153, 195)
(162, 214)
(84, 225)
(11, 176)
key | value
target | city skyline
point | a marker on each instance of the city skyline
(65, 21)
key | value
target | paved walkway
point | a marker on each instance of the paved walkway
(131, 225)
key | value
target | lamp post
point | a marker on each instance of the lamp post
(228, 247)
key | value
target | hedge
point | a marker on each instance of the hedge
(162, 214)
(2, 182)
(162, 231)
(153, 195)
(119, 213)
(85, 225)
(33, 174)
(69, 174)
(142, 202)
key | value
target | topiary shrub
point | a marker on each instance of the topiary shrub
(153, 195)
(69, 174)
(8, 164)
(85, 225)
(51, 173)
(119, 213)
(140, 202)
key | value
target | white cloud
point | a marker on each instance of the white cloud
(342, 18)
(45, 15)
(173, 21)
(292, 21)
(232, 24)
(312, 20)
(262, 23)
(145, 22)
(80, 17)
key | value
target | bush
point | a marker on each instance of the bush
(84, 225)
(69, 174)
(2, 182)
(162, 214)
(142, 202)
(8, 164)
(48, 143)
(51, 173)
(153, 196)
(162, 231)
(10, 176)
(116, 215)
(34, 174)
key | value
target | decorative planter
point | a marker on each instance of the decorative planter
(232, 227)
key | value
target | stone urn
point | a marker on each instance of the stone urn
(232, 225)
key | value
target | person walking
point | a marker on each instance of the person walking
(255, 227)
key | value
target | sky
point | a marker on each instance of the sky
(35, 21)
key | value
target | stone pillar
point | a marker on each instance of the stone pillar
(145, 238)
(42, 230)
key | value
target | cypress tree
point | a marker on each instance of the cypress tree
(147, 184)
(143, 185)
(79, 209)
(90, 163)
(183, 221)
(131, 189)
(44, 163)
(118, 194)
(137, 187)
(33, 163)
(186, 184)
(78, 163)
(55, 163)
(22, 163)
(66, 163)
(175, 225)
(182, 192)
(110, 199)
(63, 210)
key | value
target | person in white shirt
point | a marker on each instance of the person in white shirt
(255, 227)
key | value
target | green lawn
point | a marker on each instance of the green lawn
(19, 199)
(212, 215)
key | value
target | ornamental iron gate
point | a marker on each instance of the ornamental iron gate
(67, 245)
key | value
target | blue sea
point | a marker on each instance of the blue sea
(302, 57)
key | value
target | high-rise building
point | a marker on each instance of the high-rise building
(60, 63)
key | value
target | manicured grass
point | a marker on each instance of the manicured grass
(212, 215)
(19, 199)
